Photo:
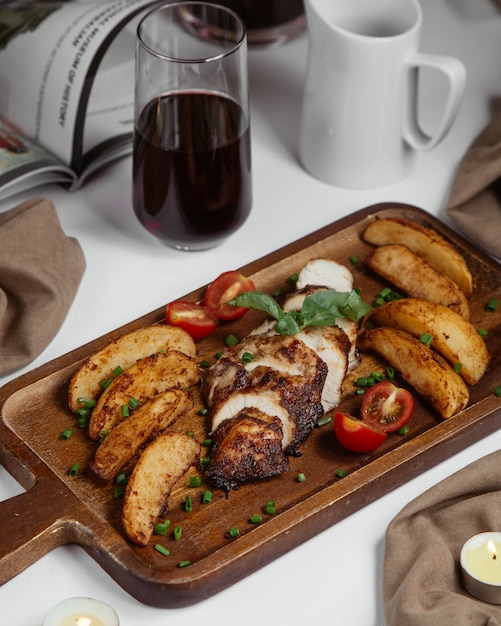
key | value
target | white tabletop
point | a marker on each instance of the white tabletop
(338, 574)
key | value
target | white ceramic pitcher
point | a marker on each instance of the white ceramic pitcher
(359, 125)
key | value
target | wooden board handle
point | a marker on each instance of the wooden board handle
(31, 525)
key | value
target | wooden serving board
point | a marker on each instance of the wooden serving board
(58, 509)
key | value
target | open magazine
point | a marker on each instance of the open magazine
(66, 88)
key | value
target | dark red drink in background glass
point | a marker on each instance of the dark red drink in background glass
(269, 21)
(192, 168)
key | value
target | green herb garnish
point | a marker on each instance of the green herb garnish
(321, 308)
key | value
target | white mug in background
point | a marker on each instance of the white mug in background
(360, 120)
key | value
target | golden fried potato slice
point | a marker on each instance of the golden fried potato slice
(420, 366)
(453, 337)
(123, 352)
(416, 278)
(128, 437)
(142, 380)
(159, 467)
(426, 243)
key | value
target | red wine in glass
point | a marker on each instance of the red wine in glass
(192, 168)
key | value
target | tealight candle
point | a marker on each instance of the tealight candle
(481, 566)
(81, 612)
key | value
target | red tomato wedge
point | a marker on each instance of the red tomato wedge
(357, 435)
(224, 288)
(196, 319)
(387, 406)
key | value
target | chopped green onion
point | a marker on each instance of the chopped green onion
(205, 363)
(207, 497)
(301, 477)
(293, 278)
(134, 403)
(73, 471)
(270, 507)
(341, 473)
(492, 305)
(124, 410)
(354, 260)
(184, 563)
(83, 413)
(178, 531)
(203, 411)
(360, 392)
(188, 504)
(457, 367)
(231, 340)
(102, 435)
(119, 491)
(326, 419)
(195, 481)
(233, 532)
(122, 478)
(390, 373)
(497, 391)
(162, 549)
(117, 371)
(219, 355)
(190, 433)
(205, 462)
(403, 431)
(66, 434)
(87, 404)
(482, 332)
(162, 527)
(426, 338)
(106, 383)
(377, 376)
(247, 357)
(207, 442)
(256, 519)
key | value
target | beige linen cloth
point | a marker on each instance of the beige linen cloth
(421, 579)
(40, 271)
(475, 200)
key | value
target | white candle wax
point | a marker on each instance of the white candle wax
(81, 612)
(481, 566)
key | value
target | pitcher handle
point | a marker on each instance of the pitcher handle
(455, 74)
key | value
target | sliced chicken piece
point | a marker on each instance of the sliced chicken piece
(333, 346)
(295, 401)
(325, 273)
(247, 447)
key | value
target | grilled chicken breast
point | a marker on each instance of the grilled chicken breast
(266, 394)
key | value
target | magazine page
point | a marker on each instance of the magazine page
(50, 53)
(23, 163)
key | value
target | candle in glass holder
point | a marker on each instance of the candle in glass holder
(481, 566)
(81, 612)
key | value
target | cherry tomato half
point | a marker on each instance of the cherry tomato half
(387, 406)
(224, 288)
(196, 319)
(357, 435)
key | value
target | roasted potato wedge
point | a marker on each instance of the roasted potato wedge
(129, 437)
(453, 337)
(426, 243)
(159, 467)
(142, 380)
(123, 352)
(416, 278)
(420, 366)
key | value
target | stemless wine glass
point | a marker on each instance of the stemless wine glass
(192, 158)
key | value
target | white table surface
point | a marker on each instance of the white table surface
(337, 575)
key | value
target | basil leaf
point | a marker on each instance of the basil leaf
(260, 301)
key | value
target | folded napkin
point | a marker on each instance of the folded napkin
(475, 200)
(40, 271)
(421, 578)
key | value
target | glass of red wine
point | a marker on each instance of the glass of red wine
(192, 184)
